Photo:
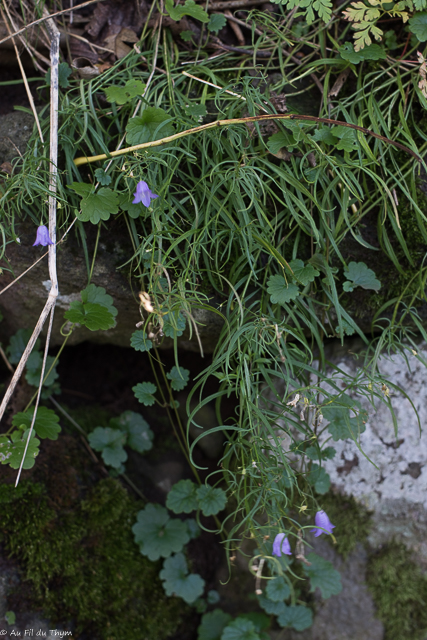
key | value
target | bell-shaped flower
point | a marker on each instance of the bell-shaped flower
(42, 237)
(143, 194)
(323, 524)
(281, 545)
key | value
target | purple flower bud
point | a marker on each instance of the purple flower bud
(143, 194)
(322, 521)
(43, 237)
(281, 545)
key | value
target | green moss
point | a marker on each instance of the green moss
(351, 520)
(400, 593)
(84, 565)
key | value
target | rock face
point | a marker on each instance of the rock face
(390, 476)
(23, 302)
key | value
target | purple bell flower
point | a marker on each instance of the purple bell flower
(281, 545)
(143, 194)
(43, 237)
(322, 520)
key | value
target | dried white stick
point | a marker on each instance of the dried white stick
(53, 294)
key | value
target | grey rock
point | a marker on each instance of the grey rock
(15, 131)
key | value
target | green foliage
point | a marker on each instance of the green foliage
(85, 565)
(34, 370)
(189, 8)
(323, 576)
(213, 624)
(371, 52)
(182, 497)
(121, 95)
(10, 617)
(153, 124)
(296, 617)
(240, 629)
(110, 442)
(179, 378)
(211, 500)
(144, 393)
(341, 426)
(137, 430)
(103, 178)
(158, 535)
(129, 429)
(140, 342)
(278, 589)
(418, 25)
(174, 324)
(95, 312)
(64, 72)
(217, 22)
(13, 448)
(360, 276)
(399, 590)
(99, 206)
(177, 580)
(17, 344)
(319, 479)
(46, 423)
(281, 292)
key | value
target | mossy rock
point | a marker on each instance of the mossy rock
(84, 565)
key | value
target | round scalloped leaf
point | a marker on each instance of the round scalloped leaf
(144, 393)
(303, 274)
(319, 479)
(99, 206)
(140, 342)
(92, 316)
(179, 378)
(103, 178)
(139, 434)
(110, 442)
(17, 451)
(418, 25)
(149, 126)
(182, 497)
(281, 292)
(240, 629)
(157, 534)
(273, 608)
(17, 345)
(173, 324)
(277, 589)
(323, 575)
(177, 581)
(361, 276)
(98, 295)
(213, 624)
(46, 424)
(34, 370)
(211, 500)
(296, 617)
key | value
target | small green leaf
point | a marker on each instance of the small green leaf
(16, 451)
(371, 52)
(281, 140)
(121, 95)
(153, 124)
(323, 575)
(196, 110)
(10, 616)
(186, 35)
(140, 342)
(34, 366)
(174, 324)
(193, 528)
(179, 378)
(97, 295)
(217, 22)
(139, 434)
(133, 210)
(99, 206)
(64, 72)
(270, 607)
(144, 393)
(418, 25)
(341, 426)
(190, 8)
(277, 589)
(347, 138)
(92, 316)
(103, 178)
(110, 442)
(17, 345)
(213, 624)
(323, 134)
(313, 453)
(303, 274)
(176, 580)
(213, 597)
(319, 479)
(46, 424)
(359, 274)
(240, 629)
(157, 534)
(182, 497)
(280, 291)
(81, 188)
(328, 453)
(296, 617)
(211, 500)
